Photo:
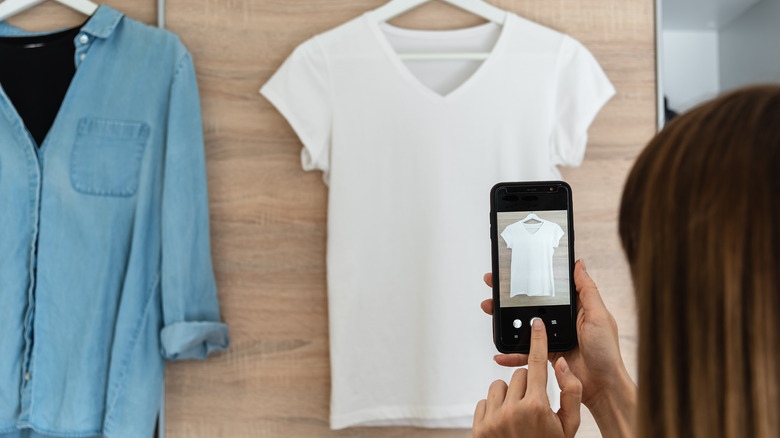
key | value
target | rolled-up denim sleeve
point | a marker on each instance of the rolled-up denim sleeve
(192, 327)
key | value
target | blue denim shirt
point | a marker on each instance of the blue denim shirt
(105, 266)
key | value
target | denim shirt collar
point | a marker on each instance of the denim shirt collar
(101, 24)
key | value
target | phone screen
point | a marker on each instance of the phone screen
(533, 263)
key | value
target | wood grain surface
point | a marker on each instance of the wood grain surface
(268, 217)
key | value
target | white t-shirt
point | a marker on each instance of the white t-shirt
(532, 246)
(409, 173)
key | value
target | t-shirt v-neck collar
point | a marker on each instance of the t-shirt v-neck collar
(535, 227)
(405, 73)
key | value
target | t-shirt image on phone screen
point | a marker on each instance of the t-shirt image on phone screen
(533, 254)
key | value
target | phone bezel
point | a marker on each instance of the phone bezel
(529, 187)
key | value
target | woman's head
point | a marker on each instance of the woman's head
(700, 224)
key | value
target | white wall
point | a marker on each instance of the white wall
(690, 64)
(750, 47)
(702, 14)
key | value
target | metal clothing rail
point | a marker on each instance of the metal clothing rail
(161, 414)
(161, 14)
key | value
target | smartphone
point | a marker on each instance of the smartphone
(532, 239)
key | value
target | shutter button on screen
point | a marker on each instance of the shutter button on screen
(517, 323)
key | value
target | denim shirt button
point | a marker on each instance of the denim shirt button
(27, 376)
(82, 56)
(83, 39)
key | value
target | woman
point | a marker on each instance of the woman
(699, 224)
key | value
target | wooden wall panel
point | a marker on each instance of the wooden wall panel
(268, 217)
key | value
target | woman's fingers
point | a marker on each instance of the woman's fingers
(479, 413)
(511, 360)
(487, 306)
(571, 396)
(496, 396)
(488, 278)
(537, 361)
(588, 294)
(518, 384)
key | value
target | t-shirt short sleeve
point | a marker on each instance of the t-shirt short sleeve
(507, 235)
(582, 88)
(557, 233)
(301, 91)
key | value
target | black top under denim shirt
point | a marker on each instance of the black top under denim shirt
(35, 73)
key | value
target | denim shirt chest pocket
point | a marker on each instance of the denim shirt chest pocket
(106, 157)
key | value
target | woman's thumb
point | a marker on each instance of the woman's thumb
(571, 396)
(588, 294)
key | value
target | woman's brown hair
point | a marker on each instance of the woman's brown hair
(700, 225)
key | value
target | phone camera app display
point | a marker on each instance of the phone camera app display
(532, 244)
(533, 258)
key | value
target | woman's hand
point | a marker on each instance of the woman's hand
(607, 389)
(522, 408)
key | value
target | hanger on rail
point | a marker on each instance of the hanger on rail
(394, 8)
(10, 8)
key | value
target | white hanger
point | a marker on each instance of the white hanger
(13, 7)
(531, 216)
(86, 7)
(393, 8)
